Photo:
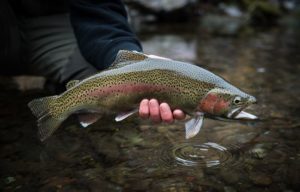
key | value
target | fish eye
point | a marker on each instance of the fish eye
(237, 100)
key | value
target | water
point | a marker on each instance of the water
(139, 156)
(206, 155)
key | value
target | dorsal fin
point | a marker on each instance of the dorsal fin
(127, 56)
(72, 83)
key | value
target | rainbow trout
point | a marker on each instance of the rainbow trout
(135, 76)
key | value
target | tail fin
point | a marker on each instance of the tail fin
(47, 124)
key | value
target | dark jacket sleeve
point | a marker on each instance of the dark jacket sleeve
(102, 29)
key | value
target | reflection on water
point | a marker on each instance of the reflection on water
(139, 156)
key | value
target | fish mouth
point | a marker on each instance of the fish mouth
(238, 113)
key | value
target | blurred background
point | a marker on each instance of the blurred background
(254, 44)
(189, 29)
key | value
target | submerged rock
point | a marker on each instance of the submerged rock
(231, 10)
(171, 46)
(118, 174)
(162, 10)
(171, 185)
(263, 13)
(230, 176)
(163, 5)
(260, 179)
(260, 151)
(222, 25)
(104, 146)
(229, 189)
(9, 180)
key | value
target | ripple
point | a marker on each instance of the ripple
(206, 155)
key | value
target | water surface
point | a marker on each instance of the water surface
(136, 155)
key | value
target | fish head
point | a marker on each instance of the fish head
(227, 104)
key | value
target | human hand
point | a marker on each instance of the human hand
(159, 112)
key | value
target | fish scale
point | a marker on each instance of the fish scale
(132, 77)
(184, 87)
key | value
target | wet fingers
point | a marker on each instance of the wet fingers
(154, 111)
(178, 114)
(144, 109)
(166, 113)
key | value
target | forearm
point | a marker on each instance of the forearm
(101, 29)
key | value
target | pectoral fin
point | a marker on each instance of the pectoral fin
(123, 116)
(88, 119)
(193, 126)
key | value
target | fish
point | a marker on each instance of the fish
(134, 76)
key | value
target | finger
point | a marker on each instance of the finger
(154, 110)
(144, 109)
(166, 113)
(178, 114)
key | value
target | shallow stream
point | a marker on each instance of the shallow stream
(137, 155)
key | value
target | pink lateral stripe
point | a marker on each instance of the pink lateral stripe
(130, 88)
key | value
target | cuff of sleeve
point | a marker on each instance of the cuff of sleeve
(112, 52)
